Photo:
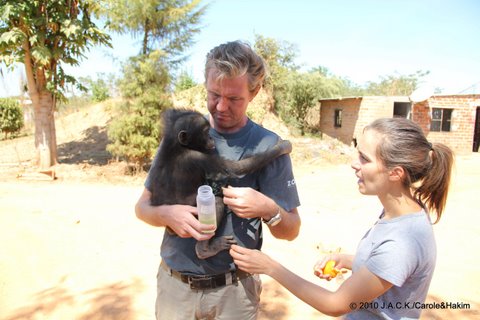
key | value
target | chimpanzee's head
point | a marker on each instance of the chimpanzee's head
(190, 128)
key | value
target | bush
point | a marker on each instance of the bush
(100, 90)
(135, 132)
(11, 116)
(135, 138)
(193, 98)
(184, 82)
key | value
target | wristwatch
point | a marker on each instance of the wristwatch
(273, 221)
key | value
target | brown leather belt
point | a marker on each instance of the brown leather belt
(202, 282)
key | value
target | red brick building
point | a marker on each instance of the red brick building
(450, 119)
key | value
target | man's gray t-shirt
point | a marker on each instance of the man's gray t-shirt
(276, 181)
(403, 252)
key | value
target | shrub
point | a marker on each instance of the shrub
(184, 82)
(135, 132)
(11, 116)
(100, 91)
(135, 138)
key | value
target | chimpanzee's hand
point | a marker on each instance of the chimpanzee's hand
(181, 219)
(248, 203)
(285, 146)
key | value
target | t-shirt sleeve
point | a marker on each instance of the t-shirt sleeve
(277, 182)
(393, 261)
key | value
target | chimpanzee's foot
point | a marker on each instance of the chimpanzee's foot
(209, 248)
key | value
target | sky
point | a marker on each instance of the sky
(359, 40)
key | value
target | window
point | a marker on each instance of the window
(441, 119)
(338, 118)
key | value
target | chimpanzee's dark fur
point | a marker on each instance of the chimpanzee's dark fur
(186, 161)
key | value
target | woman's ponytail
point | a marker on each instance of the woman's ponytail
(433, 190)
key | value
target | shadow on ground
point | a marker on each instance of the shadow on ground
(110, 302)
(437, 308)
(92, 149)
(276, 307)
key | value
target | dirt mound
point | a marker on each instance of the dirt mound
(82, 139)
(81, 142)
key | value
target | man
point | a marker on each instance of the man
(191, 288)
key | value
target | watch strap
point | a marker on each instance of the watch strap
(274, 220)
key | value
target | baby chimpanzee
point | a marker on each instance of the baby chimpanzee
(186, 161)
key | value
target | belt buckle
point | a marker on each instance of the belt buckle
(201, 283)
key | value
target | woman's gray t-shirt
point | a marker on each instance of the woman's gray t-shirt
(403, 252)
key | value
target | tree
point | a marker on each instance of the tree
(167, 28)
(336, 86)
(304, 91)
(184, 82)
(100, 87)
(44, 35)
(279, 57)
(396, 85)
(167, 25)
(135, 132)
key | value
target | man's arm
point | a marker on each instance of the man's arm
(180, 218)
(289, 226)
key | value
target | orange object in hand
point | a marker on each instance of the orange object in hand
(329, 269)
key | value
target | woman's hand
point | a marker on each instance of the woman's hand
(339, 261)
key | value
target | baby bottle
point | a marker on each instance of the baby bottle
(206, 206)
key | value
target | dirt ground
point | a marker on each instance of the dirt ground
(73, 249)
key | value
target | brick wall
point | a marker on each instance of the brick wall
(460, 138)
(359, 111)
(356, 114)
(350, 112)
(375, 107)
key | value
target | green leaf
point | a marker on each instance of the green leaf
(7, 11)
(14, 36)
(41, 55)
(70, 28)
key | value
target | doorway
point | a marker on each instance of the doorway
(402, 110)
(476, 135)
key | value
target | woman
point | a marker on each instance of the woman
(395, 260)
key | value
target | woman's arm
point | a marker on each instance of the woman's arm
(363, 286)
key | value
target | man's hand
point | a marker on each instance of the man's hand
(249, 203)
(180, 218)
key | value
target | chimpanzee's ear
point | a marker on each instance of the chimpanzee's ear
(183, 137)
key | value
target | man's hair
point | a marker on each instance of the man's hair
(235, 59)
